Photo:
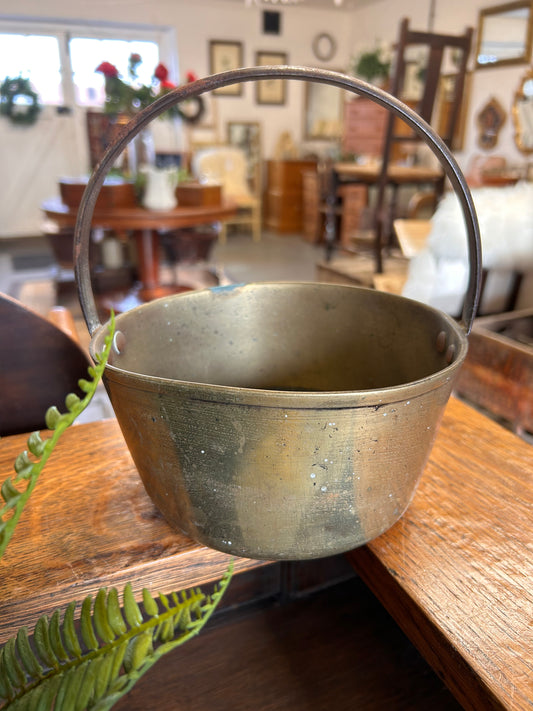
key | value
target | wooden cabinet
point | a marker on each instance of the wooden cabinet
(364, 127)
(284, 194)
(312, 220)
(353, 201)
(365, 124)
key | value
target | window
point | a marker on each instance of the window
(60, 62)
(87, 53)
(34, 57)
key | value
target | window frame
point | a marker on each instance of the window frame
(163, 36)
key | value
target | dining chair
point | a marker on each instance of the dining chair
(40, 363)
(227, 166)
(433, 45)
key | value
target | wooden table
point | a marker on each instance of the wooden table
(369, 174)
(144, 225)
(412, 235)
(456, 571)
(398, 174)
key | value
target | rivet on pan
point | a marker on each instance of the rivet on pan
(119, 342)
(441, 341)
(450, 353)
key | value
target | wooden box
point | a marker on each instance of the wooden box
(498, 370)
(113, 193)
(197, 195)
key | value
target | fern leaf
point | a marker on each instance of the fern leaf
(114, 614)
(78, 676)
(69, 632)
(56, 642)
(41, 639)
(132, 611)
(26, 654)
(14, 671)
(87, 630)
(103, 628)
(150, 605)
(12, 498)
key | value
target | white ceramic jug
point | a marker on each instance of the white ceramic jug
(160, 189)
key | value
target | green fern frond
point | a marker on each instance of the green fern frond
(15, 491)
(67, 670)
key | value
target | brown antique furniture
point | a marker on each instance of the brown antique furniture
(454, 572)
(40, 363)
(352, 203)
(284, 191)
(145, 226)
(498, 372)
(396, 134)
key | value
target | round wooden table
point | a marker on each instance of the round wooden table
(144, 226)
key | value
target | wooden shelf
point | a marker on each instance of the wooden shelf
(89, 525)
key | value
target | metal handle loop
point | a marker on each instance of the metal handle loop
(201, 86)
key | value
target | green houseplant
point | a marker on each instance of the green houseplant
(70, 666)
(372, 65)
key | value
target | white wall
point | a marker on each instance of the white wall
(381, 19)
(28, 167)
(194, 22)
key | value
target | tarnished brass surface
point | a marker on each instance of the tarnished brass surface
(282, 421)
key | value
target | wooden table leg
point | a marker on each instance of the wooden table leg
(147, 244)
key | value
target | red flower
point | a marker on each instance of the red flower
(161, 72)
(167, 85)
(107, 69)
(191, 76)
(135, 58)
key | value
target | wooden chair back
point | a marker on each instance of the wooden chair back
(39, 366)
(396, 132)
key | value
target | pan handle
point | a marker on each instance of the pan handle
(215, 81)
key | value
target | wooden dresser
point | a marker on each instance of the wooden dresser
(354, 199)
(364, 127)
(284, 194)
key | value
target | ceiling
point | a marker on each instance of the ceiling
(320, 4)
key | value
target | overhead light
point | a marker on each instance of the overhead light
(262, 3)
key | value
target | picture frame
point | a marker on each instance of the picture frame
(270, 91)
(246, 135)
(223, 56)
(323, 112)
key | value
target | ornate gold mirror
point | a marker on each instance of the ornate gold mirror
(523, 113)
(504, 34)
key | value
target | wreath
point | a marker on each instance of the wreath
(191, 110)
(19, 102)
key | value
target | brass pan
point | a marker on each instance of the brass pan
(281, 421)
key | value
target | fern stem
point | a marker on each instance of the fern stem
(190, 604)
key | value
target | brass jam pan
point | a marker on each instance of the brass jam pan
(281, 420)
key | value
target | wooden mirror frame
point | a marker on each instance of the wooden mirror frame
(490, 12)
(311, 89)
(518, 117)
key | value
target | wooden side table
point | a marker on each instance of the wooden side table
(284, 191)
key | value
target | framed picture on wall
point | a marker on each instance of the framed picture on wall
(270, 91)
(246, 135)
(223, 56)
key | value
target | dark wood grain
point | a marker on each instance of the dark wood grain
(90, 524)
(456, 571)
(335, 651)
(498, 371)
